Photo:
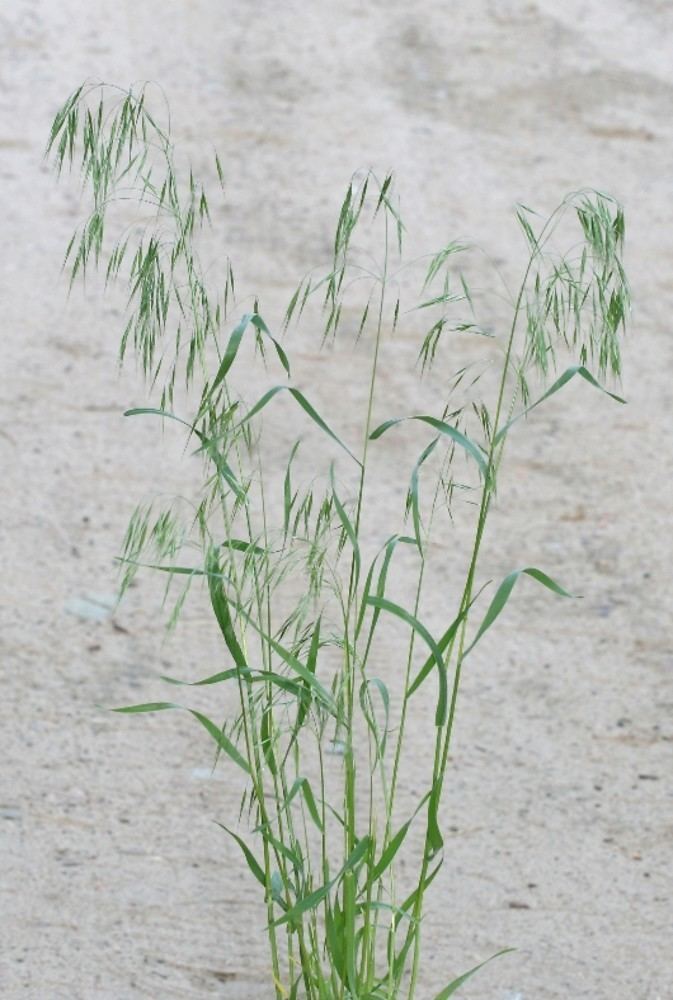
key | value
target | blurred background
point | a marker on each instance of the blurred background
(115, 881)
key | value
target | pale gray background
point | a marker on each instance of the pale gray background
(114, 882)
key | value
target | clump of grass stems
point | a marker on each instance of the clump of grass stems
(326, 854)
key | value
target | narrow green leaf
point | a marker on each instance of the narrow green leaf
(282, 849)
(370, 716)
(410, 901)
(243, 546)
(309, 902)
(222, 741)
(252, 862)
(138, 410)
(502, 596)
(277, 680)
(387, 856)
(417, 626)
(151, 706)
(311, 663)
(306, 406)
(365, 595)
(394, 845)
(457, 983)
(223, 675)
(461, 440)
(434, 834)
(317, 419)
(175, 570)
(231, 351)
(222, 466)
(234, 343)
(443, 643)
(257, 321)
(295, 664)
(220, 606)
(373, 904)
(335, 938)
(314, 898)
(195, 570)
(355, 857)
(413, 492)
(299, 668)
(249, 676)
(309, 799)
(388, 550)
(266, 734)
(430, 662)
(348, 528)
(567, 375)
(407, 908)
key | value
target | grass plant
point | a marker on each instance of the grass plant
(320, 732)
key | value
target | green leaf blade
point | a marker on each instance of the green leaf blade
(503, 593)
(449, 990)
(417, 626)
(469, 447)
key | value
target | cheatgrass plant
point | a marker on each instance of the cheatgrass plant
(320, 730)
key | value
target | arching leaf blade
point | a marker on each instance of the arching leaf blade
(223, 742)
(449, 990)
(220, 605)
(231, 351)
(250, 858)
(307, 407)
(503, 593)
(417, 626)
(348, 528)
(462, 440)
(567, 375)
